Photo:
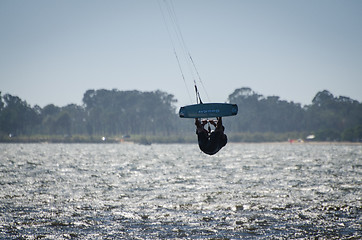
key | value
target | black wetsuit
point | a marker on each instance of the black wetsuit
(211, 144)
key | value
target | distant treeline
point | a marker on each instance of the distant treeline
(124, 113)
(329, 118)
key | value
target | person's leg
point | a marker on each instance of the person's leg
(219, 126)
(199, 126)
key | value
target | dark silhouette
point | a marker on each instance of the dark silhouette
(115, 113)
(210, 142)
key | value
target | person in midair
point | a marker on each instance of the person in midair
(210, 142)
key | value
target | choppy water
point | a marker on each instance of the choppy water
(115, 191)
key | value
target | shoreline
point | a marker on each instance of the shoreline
(169, 143)
(187, 138)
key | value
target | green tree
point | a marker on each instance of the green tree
(333, 115)
(49, 115)
(260, 114)
(352, 134)
(63, 123)
(129, 112)
(1, 103)
(77, 118)
(17, 117)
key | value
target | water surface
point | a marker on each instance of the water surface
(246, 191)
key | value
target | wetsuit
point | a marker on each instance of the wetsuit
(211, 144)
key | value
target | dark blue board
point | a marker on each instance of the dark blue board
(208, 110)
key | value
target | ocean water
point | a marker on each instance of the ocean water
(129, 191)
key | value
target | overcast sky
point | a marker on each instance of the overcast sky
(53, 51)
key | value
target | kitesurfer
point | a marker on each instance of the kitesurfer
(210, 142)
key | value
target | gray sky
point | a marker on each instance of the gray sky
(53, 51)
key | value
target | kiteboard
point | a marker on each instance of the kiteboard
(208, 110)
